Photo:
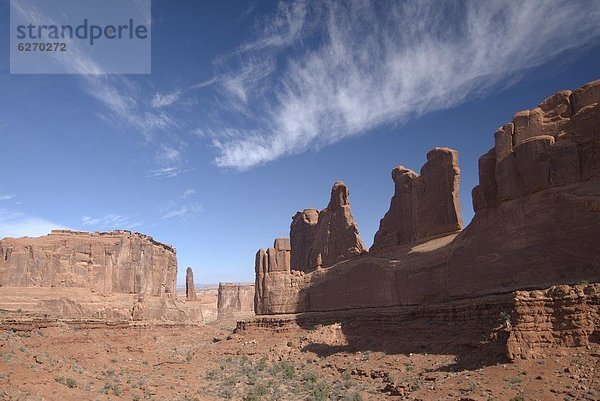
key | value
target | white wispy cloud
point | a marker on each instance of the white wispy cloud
(183, 211)
(165, 172)
(187, 193)
(6, 196)
(124, 100)
(110, 221)
(161, 100)
(19, 224)
(168, 154)
(350, 67)
(182, 207)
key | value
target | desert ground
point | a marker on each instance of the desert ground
(213, 362)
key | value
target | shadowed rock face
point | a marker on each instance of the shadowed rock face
(114, 262)
(423, 205)
(323, 238)
(554, 144)
(190, 289)
(536, 225)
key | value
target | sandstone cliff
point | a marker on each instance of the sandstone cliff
(235, 300)
(323, 238)
(72, 274)
(560, 316)
(423, 205)
(537, 222)
(113, 262)
(272, 286)
(478, 330)
(554, 144)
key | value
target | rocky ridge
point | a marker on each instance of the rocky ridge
(536, 224)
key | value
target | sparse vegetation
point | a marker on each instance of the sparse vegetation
(108, 387)
(514, 379)
(71, 383)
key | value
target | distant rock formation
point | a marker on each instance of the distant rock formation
(235, 301)
(323, 238)
(423, 205)
(190, 288)
(536, 225)
(75, 274)
(112, 262)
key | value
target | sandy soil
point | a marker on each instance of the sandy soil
(211, 363)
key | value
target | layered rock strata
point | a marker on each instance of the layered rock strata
(79, 275)
(481, 330)
(113, 262)
(560, 316)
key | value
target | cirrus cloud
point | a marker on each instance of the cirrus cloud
(346, 68)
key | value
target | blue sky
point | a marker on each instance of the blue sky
(254, 110)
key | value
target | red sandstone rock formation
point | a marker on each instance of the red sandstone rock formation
(560, 316)
(235, 300)
(272, 268)
(479, 330)
(113, 262)
(537, 223)
(71, 274)
(190, 288)
(423, 205)
(323, 238)
(552, 145)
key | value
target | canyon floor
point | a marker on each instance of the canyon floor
(211, 362)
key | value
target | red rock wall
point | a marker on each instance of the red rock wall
(117, 262)
(554, 144)
(561, 316)
(423, 205)
(235, 300)
(321, 239)
(478, 330)
(537, 224)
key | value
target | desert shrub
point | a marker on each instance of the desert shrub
(320, 391)
(310, 376)
(514, 380)
(116, 389)
(256, 393)
(261, 364)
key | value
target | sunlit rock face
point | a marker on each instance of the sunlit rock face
(113, 262)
